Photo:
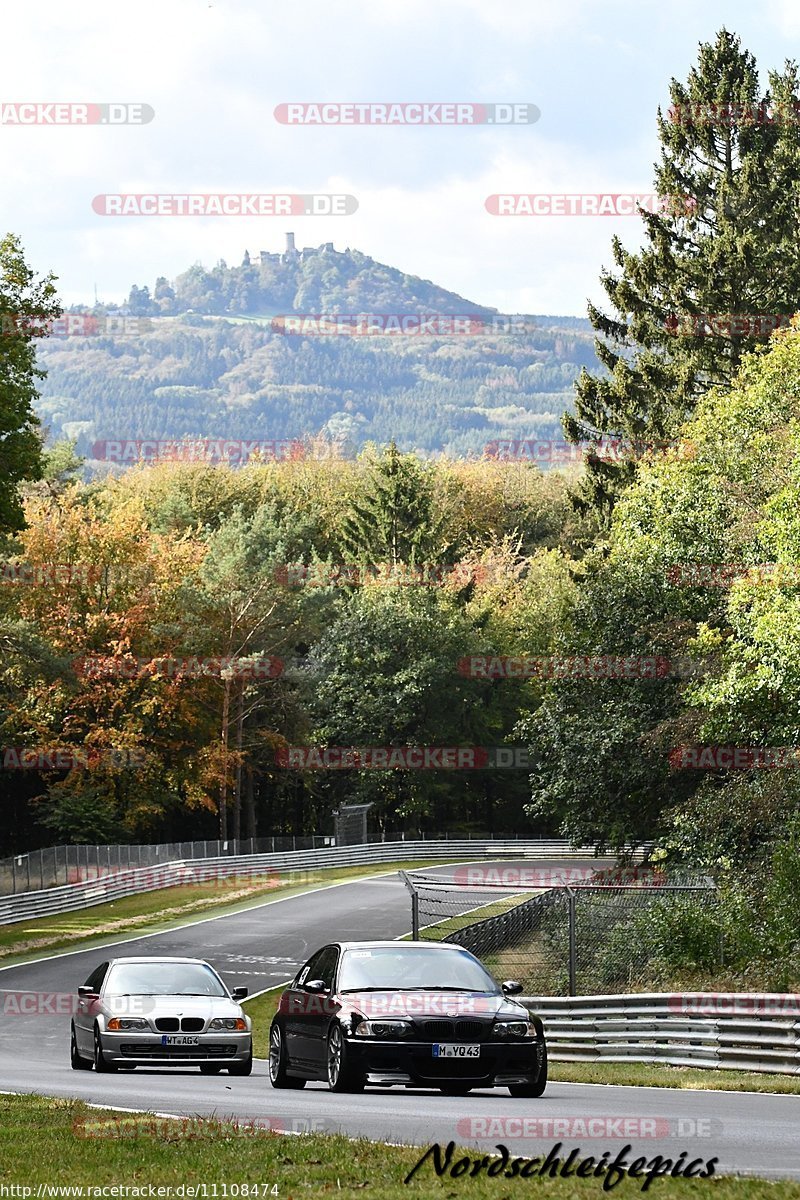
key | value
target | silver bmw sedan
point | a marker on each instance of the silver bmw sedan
(137, 1012)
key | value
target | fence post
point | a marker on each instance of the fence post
(573, 944)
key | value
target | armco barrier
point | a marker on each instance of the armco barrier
(758, 1031)
(27, 905)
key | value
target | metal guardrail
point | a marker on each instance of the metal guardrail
(756, 1031)
(128, 882)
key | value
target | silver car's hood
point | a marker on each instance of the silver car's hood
(174, 1006)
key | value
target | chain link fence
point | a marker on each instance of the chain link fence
(571, 938)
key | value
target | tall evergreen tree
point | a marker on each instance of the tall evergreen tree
(26, 305)
(726, 244)
(393, 521)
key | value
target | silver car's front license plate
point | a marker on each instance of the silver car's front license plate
(179, 1040)
(456, 1050)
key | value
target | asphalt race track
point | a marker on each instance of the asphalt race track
(262, 946)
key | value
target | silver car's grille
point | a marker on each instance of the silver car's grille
(167, 1024)
(173, 1024)
(145, 1050)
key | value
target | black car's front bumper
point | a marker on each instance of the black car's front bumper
(499, 1063)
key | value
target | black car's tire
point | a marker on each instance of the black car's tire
(455, 1089)
(277, 1062)
(210, 1068)
(341, 1075)
(101, 1063)
(242, 1068)
(536, 1086)
(75, 1061)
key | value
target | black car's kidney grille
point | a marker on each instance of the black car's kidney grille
(192, 1024)
(458, 1030)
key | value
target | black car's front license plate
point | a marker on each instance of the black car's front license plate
(456, 1050)
(179, 1040)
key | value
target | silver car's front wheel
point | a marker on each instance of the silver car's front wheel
(101, 1064)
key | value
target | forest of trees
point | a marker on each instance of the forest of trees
(650, 609)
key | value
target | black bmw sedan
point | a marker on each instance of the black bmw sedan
(419, 1014)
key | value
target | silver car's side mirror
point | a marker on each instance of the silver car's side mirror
(239, 993)
(84, 991)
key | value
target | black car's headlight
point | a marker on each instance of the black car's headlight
(228, 1023)
(513, 1030)
(384, 1029)
(127, 1023)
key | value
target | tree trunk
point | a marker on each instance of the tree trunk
(223, 790)
(237, 790)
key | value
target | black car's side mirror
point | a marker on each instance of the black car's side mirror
(511, 987)
(239, 993)
(85, 991)
(315, 985)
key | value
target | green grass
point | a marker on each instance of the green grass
(45, 1142)
(166, 908)
(659, 1075)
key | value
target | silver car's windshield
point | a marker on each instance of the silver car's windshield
(163, 979)
(401, 967)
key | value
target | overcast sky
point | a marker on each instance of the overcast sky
(214, 71)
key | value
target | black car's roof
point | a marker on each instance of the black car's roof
(396, 945)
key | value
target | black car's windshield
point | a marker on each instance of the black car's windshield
(405, 967)
(164, 979)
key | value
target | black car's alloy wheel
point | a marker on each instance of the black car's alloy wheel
(76, 1062)
(277, 1062)
(341, 1076)
(538, 1083)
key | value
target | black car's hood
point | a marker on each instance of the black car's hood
(429, 1004)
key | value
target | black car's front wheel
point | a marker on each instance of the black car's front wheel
(538, 1083)
(341, 1075)
(277, 1062)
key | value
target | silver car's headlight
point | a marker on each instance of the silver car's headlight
(383, 1029)
(234, 1023)
(514, 1029)
(127, 1023)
